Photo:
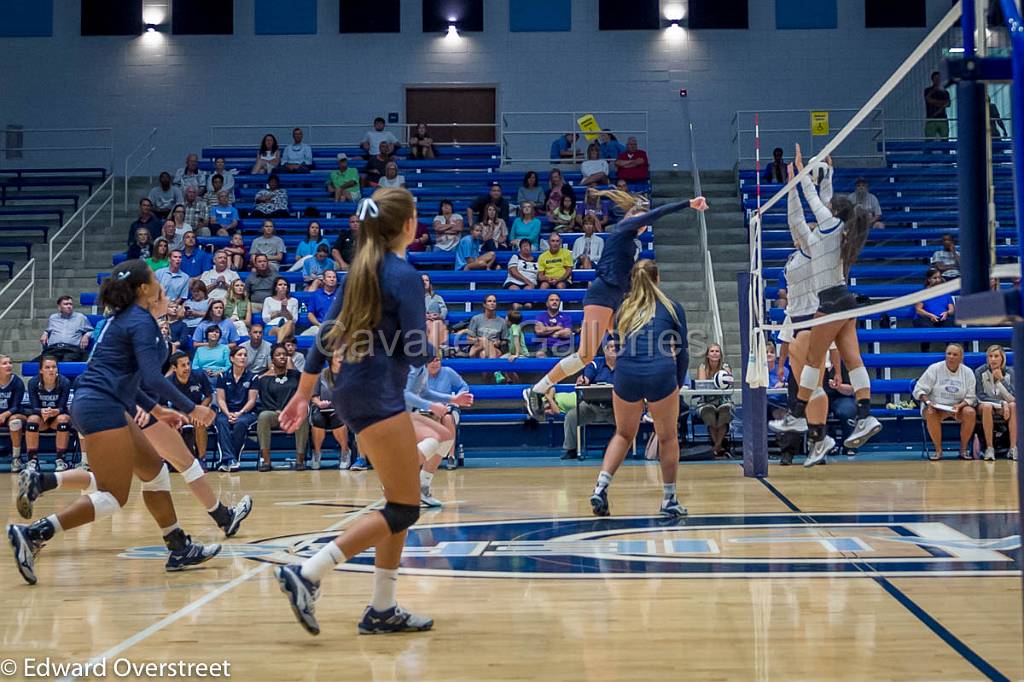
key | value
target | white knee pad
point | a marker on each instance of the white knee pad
(810, 377)
(445, 447)
(859, 379)
(818, 392)
(15, 425)
(428, 447)
(193, 473)
(162, 482)
(571, 364)
(91, 488)
(103, 503)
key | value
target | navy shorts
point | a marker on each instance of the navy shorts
(651, 387)
(92, 413)
(603, 294)
(836, 299)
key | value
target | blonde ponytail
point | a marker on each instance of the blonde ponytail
(644, 295)
(624, 200)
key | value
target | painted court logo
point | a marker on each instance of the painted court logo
(720, 546)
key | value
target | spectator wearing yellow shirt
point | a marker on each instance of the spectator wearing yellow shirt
(554, 267)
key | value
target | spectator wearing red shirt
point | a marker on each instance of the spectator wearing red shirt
(632, 164)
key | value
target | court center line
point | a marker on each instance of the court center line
(929, 621)
(193, 606)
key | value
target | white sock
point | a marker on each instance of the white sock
(85, 458)
(668, 490)
(170, 529)
(426, 477)
(322, 563)
(543, 385)
(385, 580)
(16, 452)
(604, 479)
(215, 507)
(55, 522)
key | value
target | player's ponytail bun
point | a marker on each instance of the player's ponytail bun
(121, 289)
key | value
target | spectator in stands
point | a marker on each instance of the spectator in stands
(594, 169)
(994, 383)
(526, 226)
(268, 157)
(493, 198)
(935, 312)
(170, 233)
(343, 182)
(344, 248)
(172, 279)
(194, 260)
(947, 259)
(377, 165)
(219, 278)
(421, 144)
(147, 219)
(487, 330)
(554, 266)
(160, 256)
(217, 182)
(600, 370)
(556, 188)
(391, 178)
(237, 307)
(223, 216)
(593, 205)
(632, 164)
(197, 304)
(715, 411)
(495, 230)
(530, 191)
(936, 101)
(270, 245)
(280, 311)
(842, 405)
(775, 171)
(947, 390)
(373, 138)
(257, 357)
(298, 359)
(554, 329)
(610, 145)
(564, 218)
(996, 126)
(217, 317)
(141, 247)
(12, 414)
(178, 218)
(227, 180)
(48, 394)
(180, 332)
(564, 149)
(421, 242)
(165, 196)
(322, 300)
(237, 258)
(587, 250)
(211, 356)
(67, 334)
(237, 393)
(196, 387)
(197, 213)
(272, 202)
(191, 175)
(447, 382)
(323, 417)
(522, 268)
(861, 196)
(437, 316)
(447, 227)
(314, 268)
(276, 388)
(468, 255)
(296, 157)
(617, 212)
(314, 238)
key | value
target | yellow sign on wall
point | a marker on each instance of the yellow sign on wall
(588, 124)
(819, 123)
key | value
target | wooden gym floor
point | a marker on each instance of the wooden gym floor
(854, 571)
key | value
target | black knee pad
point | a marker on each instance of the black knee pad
(400, 516)
(33, 427)
(63, 426)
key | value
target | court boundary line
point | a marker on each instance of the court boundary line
(197, 604)
(919, 612)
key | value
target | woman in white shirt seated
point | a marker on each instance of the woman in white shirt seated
(522, 268)
(447, 227)
(946, 390)
(594, 169)
(995, 396)
(587, 250)
(280, 311)
(391, 177)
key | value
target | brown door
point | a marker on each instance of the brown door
(469, 107)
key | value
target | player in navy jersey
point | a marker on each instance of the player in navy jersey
(128, 356)
(48, 394)
(378, 327)
(652, 357)
(12, 414)
(610, 285)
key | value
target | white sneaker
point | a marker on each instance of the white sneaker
(315, 464)
(1012, 454)
(989, 455)
(60, 465)
(345, 461)
(863, 430)
(33, 464)
(820, 451)
(788, 424)
(16, 465)
(428, 500)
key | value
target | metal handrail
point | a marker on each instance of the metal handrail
(311, 129)
(709, 267)
(573, 116)
(31, 286)
(107, 184)
(128, 171)
(874, 125)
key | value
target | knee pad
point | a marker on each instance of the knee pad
(445, 448)
(161, 483)
(810, 377)
(103, 503)
(400, 516)
(15, 425)
(194, 472)
(818, 392)
(859, 379)
(64, 427)
(428, 447)
(571, 364)
(32, 427)
(91, 488)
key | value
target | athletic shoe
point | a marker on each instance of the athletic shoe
(192, 555)
(599, 503)
(819, 451)
(238, 514)
(302, 595)
(786, 460)
(360, 464)
(988, 456)
(863, 430)
(788, 424)
(345, 461)
(33, 464)
(534, 405)
(60, 465)
(16, 465)
(264, 467)
(428, 500)
(315, 463)
(568, 454)
(646, 418)
(671, 507)
(393, 620)
(226, 466)
(25, 551)
(28, 492)
(1011, 454)
(450, 463)
(235, 465)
